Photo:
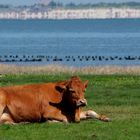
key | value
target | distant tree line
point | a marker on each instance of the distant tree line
(54, 5)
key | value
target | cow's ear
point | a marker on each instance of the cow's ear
(86, 83)
(60, 87)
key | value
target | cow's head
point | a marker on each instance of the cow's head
(74, 90)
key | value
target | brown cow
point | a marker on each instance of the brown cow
(60, 101)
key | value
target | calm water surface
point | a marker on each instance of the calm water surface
(70, 42)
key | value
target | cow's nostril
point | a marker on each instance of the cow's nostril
(82, 102)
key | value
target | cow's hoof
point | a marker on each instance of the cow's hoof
(107, 120)
(104, 118)
(65, 121)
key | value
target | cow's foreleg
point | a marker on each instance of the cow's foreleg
(55, 117)
(77, 115)
(90, 114)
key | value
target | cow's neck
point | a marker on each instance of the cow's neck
(71, 111)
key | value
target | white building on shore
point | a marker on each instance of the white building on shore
(94, 13)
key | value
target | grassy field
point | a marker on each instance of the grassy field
(117, 96)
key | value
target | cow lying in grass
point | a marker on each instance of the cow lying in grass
(60, 101)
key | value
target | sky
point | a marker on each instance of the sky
(30, 2)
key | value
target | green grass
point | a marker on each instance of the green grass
(113, 95)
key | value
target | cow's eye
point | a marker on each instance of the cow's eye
(75, 96)
(72, 91)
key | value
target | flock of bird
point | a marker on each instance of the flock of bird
(40, 58)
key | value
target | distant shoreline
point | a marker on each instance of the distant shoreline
(57, 14)
(59, 69)
(69, 19)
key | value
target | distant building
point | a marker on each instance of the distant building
(94, 13)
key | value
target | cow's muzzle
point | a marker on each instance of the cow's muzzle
(81, 102)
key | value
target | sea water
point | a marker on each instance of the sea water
(70, 42)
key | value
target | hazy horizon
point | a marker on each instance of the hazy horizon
(31, 2)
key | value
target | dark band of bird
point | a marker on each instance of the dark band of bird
(67, 58)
